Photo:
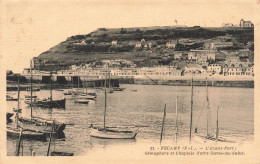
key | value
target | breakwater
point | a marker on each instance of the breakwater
(187, 82)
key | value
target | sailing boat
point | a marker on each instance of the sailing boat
(210, 137)
(49, 102)
(16, 130)
(106, 133)
(87, 96)
(38, 123)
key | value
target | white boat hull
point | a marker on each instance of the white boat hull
(210, 140)
(112, 134)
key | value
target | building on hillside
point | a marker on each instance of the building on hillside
(170, 45)
(177, 56)
(216, 45)
(214, 68)
(83, 42)
(227, 25)
(194, 69)
(138, 45)
(245, 23)
(114, 42)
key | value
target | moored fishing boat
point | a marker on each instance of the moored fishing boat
(10, 97)
(27, 134)
(38, 123)
(118, 89)
(47, 102)
(108, 133)
(16, 130)
(82, 101)
(112, 134)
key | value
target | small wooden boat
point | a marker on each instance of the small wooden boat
(10, 97)
(29, 97)
(27, 134)
(112, 134)
(47, 103)
(34, 89)
(42, 124)
(68, 92)
(87, 97)
(81, 101)
(118, 89)
(56, 153)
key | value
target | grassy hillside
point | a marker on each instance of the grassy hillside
(97, 44)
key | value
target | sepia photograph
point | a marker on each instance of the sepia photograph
(129, 81)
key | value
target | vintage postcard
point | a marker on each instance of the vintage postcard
(143, 81)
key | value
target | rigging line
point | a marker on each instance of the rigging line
(199, 117)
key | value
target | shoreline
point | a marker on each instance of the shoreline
(170, 82)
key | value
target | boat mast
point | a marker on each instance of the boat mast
(217, 130)
(176, 119)
(105, 102)
(51, 86)
(31, 85)
(164, 115)
(18, 106)
(191, 103)
(207, 107)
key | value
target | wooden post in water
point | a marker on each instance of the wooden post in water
(48, 152)
(18, 106)
(176, 119)
(105, 102)
(207, 106)
(164, 115)
(217, 130)
(31, 85)
(191, 106)
(19, 143)
(51, 85)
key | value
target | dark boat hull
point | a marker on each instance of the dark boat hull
(48, 103)
(31, 135)
(9, 115)
(55, 153)
(41, 125)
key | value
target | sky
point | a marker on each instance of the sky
(29, 28)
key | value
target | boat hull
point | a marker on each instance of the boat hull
(32, 135)
(81, 101)
(204, 139)
(9, 115)
(48, 103)
(55, 153)
(112, 134)
(41, 125)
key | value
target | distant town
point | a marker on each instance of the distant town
(221, 57)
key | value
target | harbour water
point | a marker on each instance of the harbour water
(141, 106)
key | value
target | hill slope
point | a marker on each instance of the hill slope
(125, 43)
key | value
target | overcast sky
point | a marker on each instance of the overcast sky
(30, 28)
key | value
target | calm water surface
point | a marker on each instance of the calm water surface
(143, 109)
